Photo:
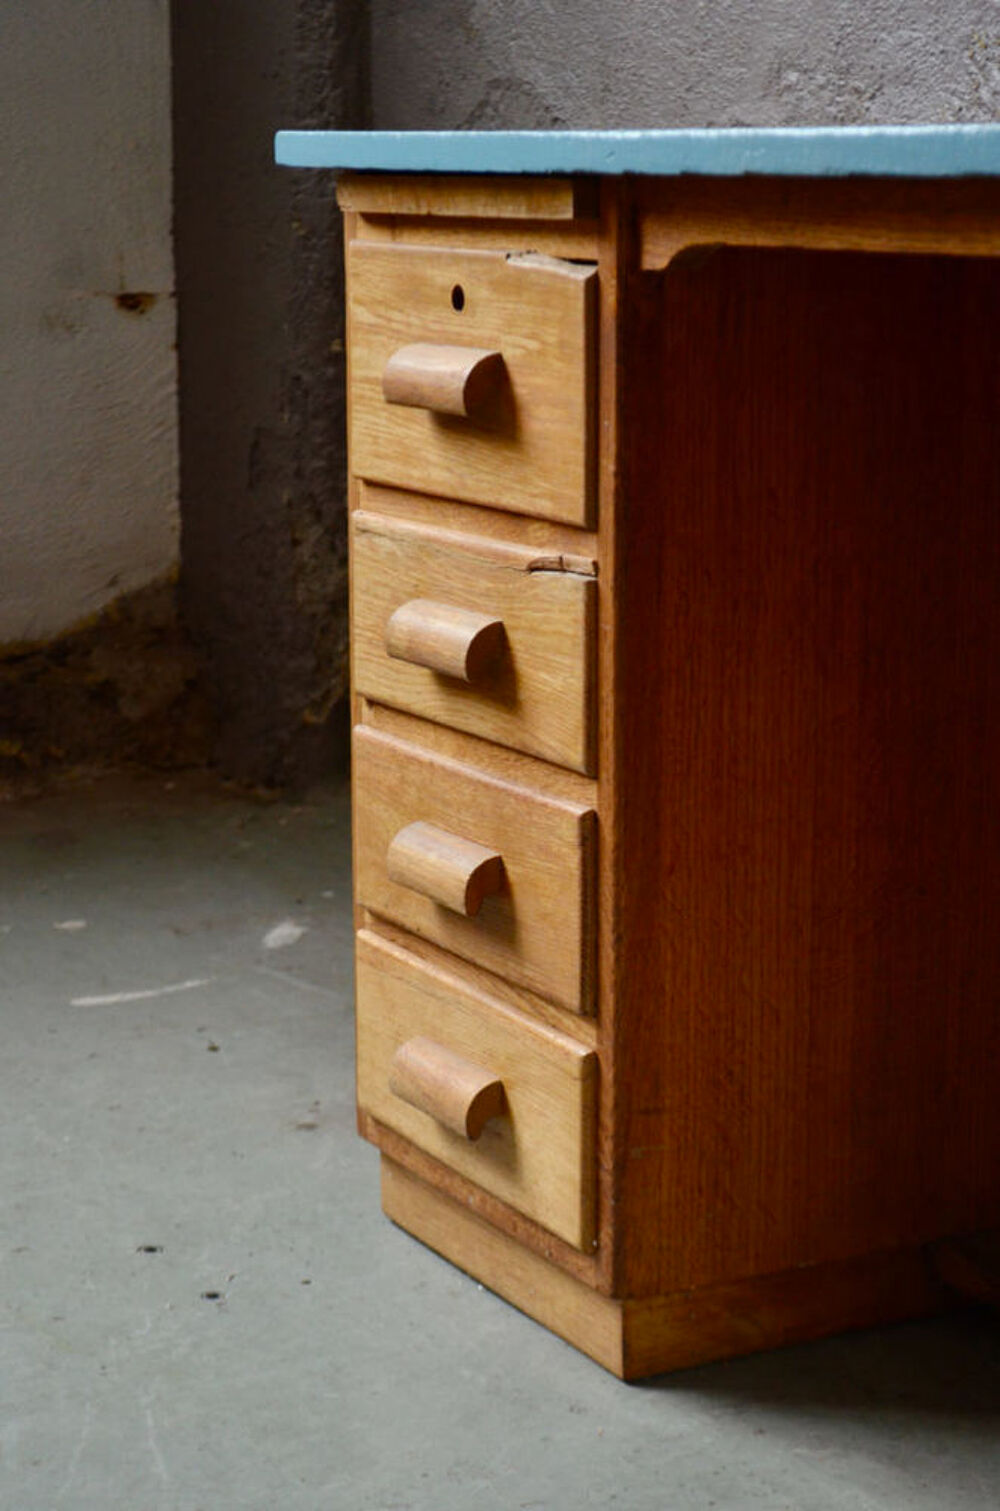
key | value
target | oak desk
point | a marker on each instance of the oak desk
(675, 549)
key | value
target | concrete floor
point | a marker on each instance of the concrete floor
(203, 1308)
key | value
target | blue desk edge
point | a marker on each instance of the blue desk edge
(806, 152)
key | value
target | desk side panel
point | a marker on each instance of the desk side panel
(809, 697)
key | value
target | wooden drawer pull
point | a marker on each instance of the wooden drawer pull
(453, 871)
(458, 642)
(455, 1092)
(461, 380)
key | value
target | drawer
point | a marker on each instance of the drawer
(503, 1100)
(496, 873)
(472, 376)
(495, 640)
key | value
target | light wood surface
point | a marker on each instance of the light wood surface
(539, 1156)
(462, 526)
(558, 1300)
(572, 240)
(534, 453)
(489, 196)
(469, 750)
(539, 930)
(580, 1028)
(457, 1093)
(461, 380)
(544, 536)
(524, 1230)
(637, 1338)
(877, 215)
(447, 868)
(537, 694)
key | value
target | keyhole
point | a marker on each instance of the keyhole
(458, 297)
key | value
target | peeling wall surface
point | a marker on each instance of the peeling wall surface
(88, 433)
(260, 281)
(648, 63)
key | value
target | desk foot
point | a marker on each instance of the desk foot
(970, 1265)
(640, 1337)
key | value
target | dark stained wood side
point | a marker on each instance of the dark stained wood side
(970, 1265)
(809, 629)
(617, 260)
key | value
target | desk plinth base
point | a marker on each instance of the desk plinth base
(636, 1338)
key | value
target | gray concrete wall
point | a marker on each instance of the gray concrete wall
(94, 668)
(261, 373)
(88, 460)
(646, 63)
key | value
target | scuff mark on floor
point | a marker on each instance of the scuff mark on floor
(283, 934)
(141, 996)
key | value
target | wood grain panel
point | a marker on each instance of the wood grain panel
(534, 453)
(809, 695)
(539, 696)
(574, 240)
(539, 1156)
(616, 270)
(519, 1228)
(543, 535)
(480, 196)
(538, 932)
(959, 217)
(556, 1299)
(496, 760)
(578, 1027)
(634, 1339)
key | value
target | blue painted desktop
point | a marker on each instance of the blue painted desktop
(933, 152)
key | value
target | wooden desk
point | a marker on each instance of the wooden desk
(675, 540)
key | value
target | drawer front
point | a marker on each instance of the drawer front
(423, 1037)
(533, 686)
(488, 361)
(424, 828)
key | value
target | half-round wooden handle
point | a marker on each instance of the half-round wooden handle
(456, 872)
(458, 642)
(452, 1090)
(461, 380)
